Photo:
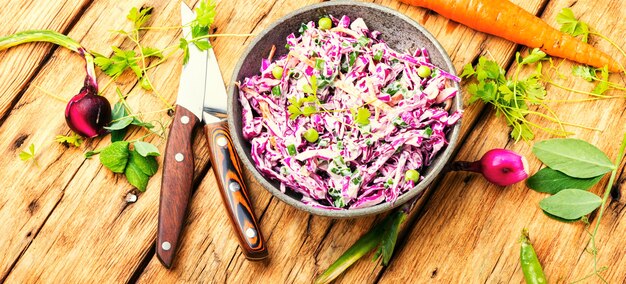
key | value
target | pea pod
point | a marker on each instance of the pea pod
(533, 273)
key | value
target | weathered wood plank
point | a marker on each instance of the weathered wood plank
(17, 67)
(19, 64)
(301, 245)
(469, 229)
(87, 223)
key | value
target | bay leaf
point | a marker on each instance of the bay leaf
(573, 157)
(552, 181)
(570, 203)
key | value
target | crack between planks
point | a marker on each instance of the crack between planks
(44, 61)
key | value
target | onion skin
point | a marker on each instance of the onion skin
(88, 113)
(499, 166)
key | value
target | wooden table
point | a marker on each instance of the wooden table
(66, 220)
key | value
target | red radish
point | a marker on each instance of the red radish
(499, 166)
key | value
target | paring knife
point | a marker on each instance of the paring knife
(202, 98)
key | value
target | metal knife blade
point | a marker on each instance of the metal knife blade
(215, 97)
(191, 90)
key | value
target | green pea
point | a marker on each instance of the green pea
(412, 175)
(325, 23)
(311, 135)
(423, 71)
(278, 72)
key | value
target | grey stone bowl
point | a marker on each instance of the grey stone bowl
(398, 30)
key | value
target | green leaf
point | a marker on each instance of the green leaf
(205, 13)
(146, 149)
(28, 155)
(136, 177)
(147, 164)
(390, 235)
(72, 140)
(571, 25)
(468, 71)
(603, 85)
(571, 204)
(551, 181)
(144, 82)
(559, 218)
(118, 63)
(586, 72)
(120, 124)
(184, 45)
(535, 56)
(307, 89)
(522, 131)
(151, 52)
(139, 16)
(573, 157)
(115, 156)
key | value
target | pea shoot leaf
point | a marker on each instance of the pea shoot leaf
(146, 149)
(571, 25)
(115, 156)
(71, 140)
(552, 181)
(571, 204)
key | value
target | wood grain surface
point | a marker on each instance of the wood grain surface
(65, 218)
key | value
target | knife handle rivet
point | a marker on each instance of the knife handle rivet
(250, 233)
(179, 157)
(166, 246)
(184, 119)
(233, 186)
(221, 141)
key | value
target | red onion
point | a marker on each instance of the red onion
(86, 113)
(499, 166)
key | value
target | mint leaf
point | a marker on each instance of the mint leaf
(115, 156)
(146, 149)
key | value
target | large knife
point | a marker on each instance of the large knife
(202, 99)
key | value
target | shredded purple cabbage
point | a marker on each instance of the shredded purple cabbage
(328, 78)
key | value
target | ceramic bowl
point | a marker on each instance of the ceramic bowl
(398, 31)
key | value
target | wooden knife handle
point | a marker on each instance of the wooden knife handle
(227, 168)
(176, 184)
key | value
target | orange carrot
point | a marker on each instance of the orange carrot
(507, 20)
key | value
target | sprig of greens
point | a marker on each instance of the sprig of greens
(29, 154)
(573, 167)
(70, 140)
(571, 25)
(137, 164)
(511, 96)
